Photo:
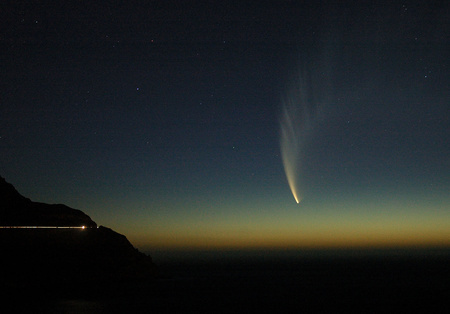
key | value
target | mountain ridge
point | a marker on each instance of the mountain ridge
(17, 210)
(62, 255)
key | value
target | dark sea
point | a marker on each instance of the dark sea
(392, 281)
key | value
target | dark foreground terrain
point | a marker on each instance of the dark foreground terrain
(97, 270)
(55, 248)
(395, 283)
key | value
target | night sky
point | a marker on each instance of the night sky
(162, 120)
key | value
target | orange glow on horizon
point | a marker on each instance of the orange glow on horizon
(348, 241)
(261, 225)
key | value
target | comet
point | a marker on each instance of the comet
(295, 127)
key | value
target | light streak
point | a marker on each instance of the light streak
(295, 126)
(43, 227)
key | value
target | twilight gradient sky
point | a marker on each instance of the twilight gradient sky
(161, 120)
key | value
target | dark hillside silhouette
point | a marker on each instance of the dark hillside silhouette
(40, 256)
(17, 210)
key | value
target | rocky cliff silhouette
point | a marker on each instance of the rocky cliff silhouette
(17, 210)
(62, 256)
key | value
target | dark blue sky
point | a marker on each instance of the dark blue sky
(161, 120)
